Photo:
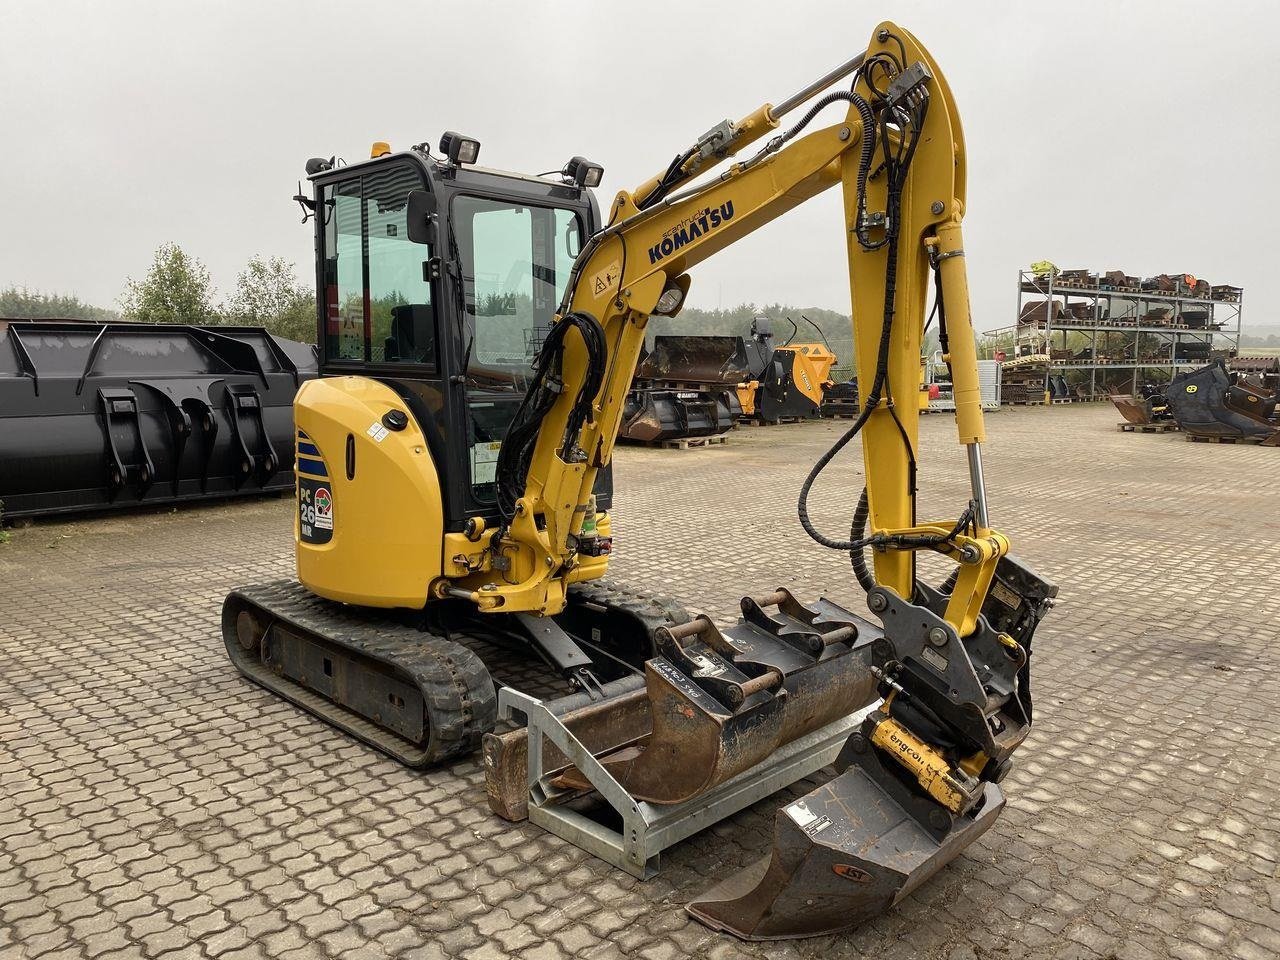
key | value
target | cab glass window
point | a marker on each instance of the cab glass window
(378, 306)
(515, 265)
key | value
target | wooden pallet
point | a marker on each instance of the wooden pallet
(1160, 426)
(689, 443)
(752, 422)
(1243, 441)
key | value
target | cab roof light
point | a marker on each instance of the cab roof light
(380, 148)
(459, 149)
(583, 173)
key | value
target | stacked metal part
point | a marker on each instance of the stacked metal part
(104, 415)
(1212, 402)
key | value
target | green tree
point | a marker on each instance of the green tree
(268, 294)
(176, 289)
(19, 303)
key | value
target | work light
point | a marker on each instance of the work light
(583, 173)
(459, 149)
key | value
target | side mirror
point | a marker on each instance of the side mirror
(572, 241)
(421, 215)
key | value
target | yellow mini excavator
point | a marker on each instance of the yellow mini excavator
(479, 332)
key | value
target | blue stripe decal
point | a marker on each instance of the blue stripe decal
(303, 436)
(308, 449)
(313, 467)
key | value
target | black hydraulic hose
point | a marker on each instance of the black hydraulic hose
(516, 453)
(896, 167)
(857, 558)
(869, 405)
(674, 176)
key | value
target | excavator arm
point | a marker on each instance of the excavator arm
(950, 664)
(898, 154)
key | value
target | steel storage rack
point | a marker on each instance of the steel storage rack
(1095, 333)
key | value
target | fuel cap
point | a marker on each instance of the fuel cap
(395, 420)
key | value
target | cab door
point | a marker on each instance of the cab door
(378, 304)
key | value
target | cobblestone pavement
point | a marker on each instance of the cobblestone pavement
(156, 804)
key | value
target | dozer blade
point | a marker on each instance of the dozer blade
(720, 703)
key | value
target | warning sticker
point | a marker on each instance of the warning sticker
(484, 461)
(606, 279)
(377, 431)
(324, 508)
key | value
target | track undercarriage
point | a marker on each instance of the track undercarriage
(416, 689)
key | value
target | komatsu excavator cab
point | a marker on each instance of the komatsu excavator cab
(436, 282)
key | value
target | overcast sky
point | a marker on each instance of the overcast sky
(1139, 136)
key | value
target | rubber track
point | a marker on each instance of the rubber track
(652, 610)
(461, 703)
(456, 687)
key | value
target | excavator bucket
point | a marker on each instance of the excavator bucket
(685, 387)
(715, 703)
(1133, 409)
(651, 415)
(722, 702)
(843, 854)
(100, 416)
(1210, 402)
(695, 359)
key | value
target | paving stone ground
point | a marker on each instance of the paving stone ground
(154, 803)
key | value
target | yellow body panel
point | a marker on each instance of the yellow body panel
(388, 518)
(812, 369)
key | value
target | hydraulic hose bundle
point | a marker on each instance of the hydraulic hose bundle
(894, 124)
(517, 449)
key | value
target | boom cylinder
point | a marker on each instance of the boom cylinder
(962, 351)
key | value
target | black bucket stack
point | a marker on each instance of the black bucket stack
(106, 415)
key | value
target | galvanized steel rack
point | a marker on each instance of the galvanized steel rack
(1141, 333)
